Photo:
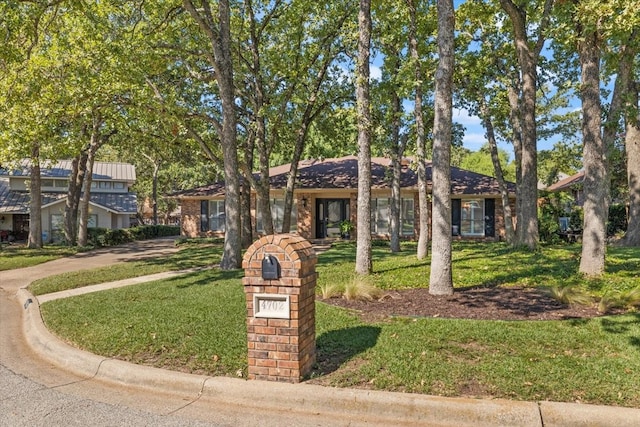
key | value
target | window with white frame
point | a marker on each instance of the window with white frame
(381, 216)
(212, 217)
(277, 214)
(472, 217)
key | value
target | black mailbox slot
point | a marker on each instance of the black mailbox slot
(270, 268)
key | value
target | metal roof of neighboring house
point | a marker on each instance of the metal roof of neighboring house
(62, 169)
(567, 182)
(342, 173)
(17, 202)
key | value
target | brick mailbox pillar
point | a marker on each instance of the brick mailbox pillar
(279, 284)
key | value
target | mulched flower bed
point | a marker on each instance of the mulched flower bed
(471, 303)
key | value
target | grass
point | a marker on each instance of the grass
(191, 255)
(196, 323)
(18, 256)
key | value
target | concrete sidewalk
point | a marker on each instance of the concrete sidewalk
(292, 404)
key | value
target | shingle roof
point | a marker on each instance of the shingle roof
(62, 169)
(567, 182)
(342, 173)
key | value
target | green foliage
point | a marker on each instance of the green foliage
(548, 225)
(480, 162)
(617, 221)
(112, 237)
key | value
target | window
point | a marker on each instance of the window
(46, 183)
(277, 214)
(104, 185)
(381, 216)
(407, 217)
(472, 217)
(212, 215)
(118, 185)
(61, 183)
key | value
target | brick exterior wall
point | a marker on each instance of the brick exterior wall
(281, 349)
(190, 218)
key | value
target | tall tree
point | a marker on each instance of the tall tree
(363, 250)
(632, 147)
(423, 202)
(528, 54)
(217, 28)
(441, 278)
(596, 181)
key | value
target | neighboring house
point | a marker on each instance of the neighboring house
(326, 195)
(111, 206)
(571, 185)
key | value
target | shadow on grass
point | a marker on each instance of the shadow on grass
(209, 277)
(620, 324)
(334, 348)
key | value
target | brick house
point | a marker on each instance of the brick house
(326, 195)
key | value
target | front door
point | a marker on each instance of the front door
(329, 214)
(21, 226)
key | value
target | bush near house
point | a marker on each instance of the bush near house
(99, 237)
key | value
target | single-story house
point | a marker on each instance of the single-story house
(572, 185)
(112, 203)
(326, 195)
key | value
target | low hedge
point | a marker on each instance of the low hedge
(99, 237)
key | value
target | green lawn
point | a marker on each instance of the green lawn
(190, 255)
(196, 323)
(17, 256)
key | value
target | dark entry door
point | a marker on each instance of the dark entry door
(21, 226)
(329, 214)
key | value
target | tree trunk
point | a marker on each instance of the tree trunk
(397, 151)
(35, 200)
(441, 279)
(632, 148)
(497, 167)
(245, 208)
(596, 204)
(514, 120)
(527, 233)
(423, 201)
(83, 229)
(74, 191)
(363, 228)
(219, 33)
(231, 258)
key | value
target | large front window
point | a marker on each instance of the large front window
(472, 217)
(212, 215)
(381, 216)
(277, 214)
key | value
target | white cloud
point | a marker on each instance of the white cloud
(473, 141)
(375, 72)
(463, 117)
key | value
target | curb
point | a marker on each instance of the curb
(386, 408)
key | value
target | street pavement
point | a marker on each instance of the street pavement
(45, 382)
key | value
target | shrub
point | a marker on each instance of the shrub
(329, 290)
(617, 220)
(111, 237)
(570, 295)
(360, 288)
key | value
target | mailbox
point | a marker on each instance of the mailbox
(270, 268)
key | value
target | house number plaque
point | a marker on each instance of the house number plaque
(271, 305)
